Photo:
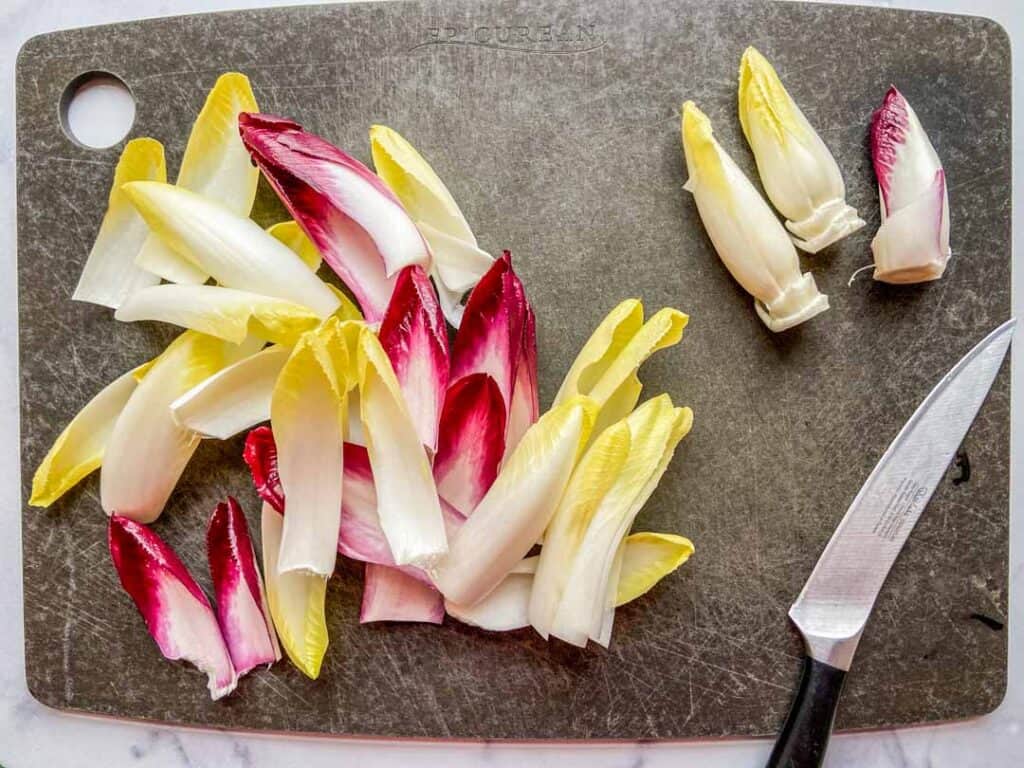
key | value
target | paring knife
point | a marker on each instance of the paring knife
(837, 599)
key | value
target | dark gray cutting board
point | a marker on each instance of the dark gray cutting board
(562, 144)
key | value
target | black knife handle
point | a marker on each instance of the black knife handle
(804, 737)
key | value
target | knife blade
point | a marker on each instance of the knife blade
(833, 607)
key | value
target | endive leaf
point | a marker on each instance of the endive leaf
(296, 600)
(358, 225)
(291, 234)
(414, 336)
(407, 502)
(231, 248)
(260, 454)
(524, 409)
(515, 511)
(597, 472)
(647, 559)
(307, 412)
(491, 335)
(416, 185)
(233, 399)
(471, 441)
(215, 165)
(391, 595)
(242, 610)
(78, 450)
(584, 577)
(147, 450)
(458, 264)
(606, 368)
(226, 313)
(110, 275)
(176, 611)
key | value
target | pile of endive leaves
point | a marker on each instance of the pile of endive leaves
(425, 458)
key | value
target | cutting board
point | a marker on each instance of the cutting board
(556, 125)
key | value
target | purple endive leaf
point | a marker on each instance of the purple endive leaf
(241, 603)
(391, 595)
(471, 441)
(173, 606)
(356, 223)
(260, 453)
(524, 409)
(415, 338)
(491, 333)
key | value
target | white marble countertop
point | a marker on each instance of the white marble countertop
(33, 735)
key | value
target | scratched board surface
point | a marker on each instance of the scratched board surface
(556, 127)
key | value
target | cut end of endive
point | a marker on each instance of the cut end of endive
(797, 304)
(242, 610)
(909, 246)
(391, 595)
(173, 606)
(828, 224)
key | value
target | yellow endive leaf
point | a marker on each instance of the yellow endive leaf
(703, 158)
(590, 481)
(407, 501)
(216, 165)
(291, 234)
(110, 274)
(296, 600)
(307, 412)
(606, 368)
(226, 313)
(78, 450)
(421, 192)
(647, 559)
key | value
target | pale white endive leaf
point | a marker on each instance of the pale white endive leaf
(110, 274)
(148, 450)
(307, 412)
(231, 248)
(226, 313)
(234, 399)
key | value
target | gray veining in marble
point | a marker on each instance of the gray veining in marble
(569, 157)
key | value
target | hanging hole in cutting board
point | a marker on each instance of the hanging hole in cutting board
(97, 110)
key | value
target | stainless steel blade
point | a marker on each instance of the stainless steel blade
(838, 597)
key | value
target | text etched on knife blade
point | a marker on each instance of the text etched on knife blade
(904, 503)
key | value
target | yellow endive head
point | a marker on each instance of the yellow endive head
(763, 98)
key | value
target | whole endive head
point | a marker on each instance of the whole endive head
(798, 172)
(751, 242)
(912, 245)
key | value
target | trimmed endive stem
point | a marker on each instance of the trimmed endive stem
(912, 244)
(176, 612)
(798, 172)
(751, 242)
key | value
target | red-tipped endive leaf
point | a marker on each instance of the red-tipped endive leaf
(242, 610)
(471, 441)
(415, 338)
(491, 333)
(360, 536)
(524, 409)
(173, 606)
(391, 595)
(354, 220)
